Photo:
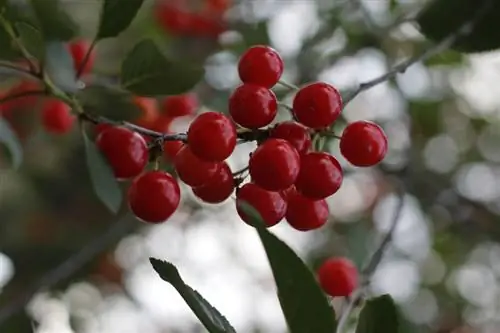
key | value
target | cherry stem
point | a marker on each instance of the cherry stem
(86, 59)
(288, 85)
(283, 105)
(240, 172)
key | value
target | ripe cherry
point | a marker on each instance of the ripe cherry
(78, 50)
(126, 151)
(363, 143)
(149, 112)
(216, 7)
(154, 196)
(338, 277)
(99, 128)
(260, 65)
(295, 133)
(192, 170)
(171, 149)
(27, 102)
(173, 18)
(219, 188)
(57, 117)
(274, 165)
(203, 26)
(306, 214)
(317, 105)
(212, 136)
(270, 205)
(252, 106)
(180, 105)
(320, 175)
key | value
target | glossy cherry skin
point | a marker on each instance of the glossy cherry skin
(252, 106)
(219, 188)
(126, 151)
(363, 143)
(305, 214)
(317, 105)
(78, 50)
(57, 117)
(270, 205)
(338, 277)
(320, 175)
(192, 170)
(260, 65)
(212, 137)
(154, 196)
(180, 105)
(274, 165)
(295, 133)
(99, 128)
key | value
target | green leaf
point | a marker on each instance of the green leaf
(303, 302)
(446, 58)
(209, 316)
(116, 16)
(9, 138)
(32, 39)
(109, 102)
(60, 67)
(425, 117)
(103, 180)
(379, 315)
(436, 23)
(147, 72)
(54, 22)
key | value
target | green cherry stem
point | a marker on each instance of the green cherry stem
(12, 34)
(288, 85)
(86, 59)
(285, 106)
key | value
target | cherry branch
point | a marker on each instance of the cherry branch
(86, 59)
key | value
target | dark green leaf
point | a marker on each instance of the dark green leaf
(209, 316)
(425, 117)
(110, 103)
(303, 302)
(60, 67)
(436, 23)
(54, 22)
(9, 139)
(147, 72)
(116, 16)
(103, 180)
(32, 39)
(379, 315)
(255, 34)
(7, 51)
(393, 5)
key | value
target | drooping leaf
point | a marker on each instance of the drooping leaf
(146, 71)
(53, 21)
(32, 39)
(209, 316)
(101, 175)
(60, 66)
(440, 18)
(304, 304)
(9, 138)
(108, 102)
(379, 315)
(116, 16)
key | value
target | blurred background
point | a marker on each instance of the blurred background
(442, 120)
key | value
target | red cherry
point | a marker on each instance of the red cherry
(317, 105)
(219, 188)
(154, 196)
(78, 50)
(206, 26)
(338, 277)
(173, 18)
(180, 105)
(171, 149)
(320, 175)
(305, 214)
(260, 65)
(295, 133)
(99, 128)
(149, 112)
(274, 165)
(253, 106)
(270, 205)
(57, 117)
(27, 102)
(217, 7)
(212, 136)
(126, 151)
(363, 143)
(192, 170)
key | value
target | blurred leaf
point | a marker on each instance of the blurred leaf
(425, 117)
(209, 316)
(379, 315)
(7, 51)
(103, 180)
(255, 34)
(116, 16)
(54, 22)
(32, 39)
(60, 67)
(9, 138)
(108, 102)
(446, 58)
(393, 5)
(303, 302)
(147, 72)
(440, 18)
